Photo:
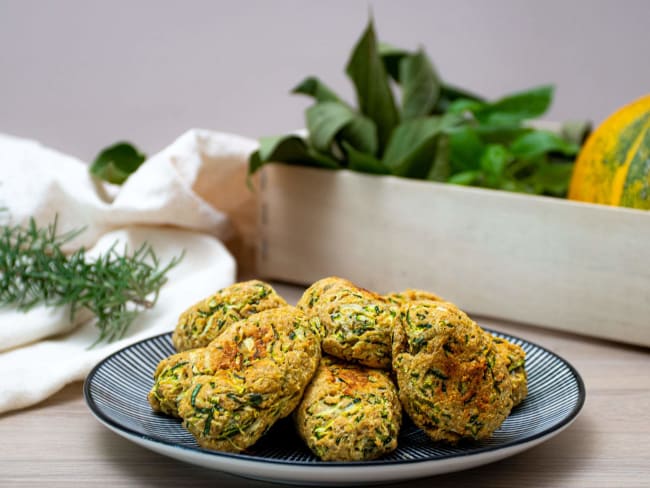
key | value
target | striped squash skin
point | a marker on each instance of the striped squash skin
(613, 167)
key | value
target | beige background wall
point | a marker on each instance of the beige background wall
(79, 74)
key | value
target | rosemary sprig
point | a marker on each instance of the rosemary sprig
(115, 286)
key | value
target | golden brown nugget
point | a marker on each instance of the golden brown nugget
(203, 322)
(349, 412)
(509, 354)
(450, 382)
(172, 377)
(262, 366)
(174, 374)
(357, 324)
(513, 357)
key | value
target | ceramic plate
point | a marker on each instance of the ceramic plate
(116, 392)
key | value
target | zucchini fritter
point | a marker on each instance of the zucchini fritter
(411, 295)
(262, 365)
(357, 324)
(450, 382)
(514, 359)
(204, 321)
(172, 377)
(349, 412)
(174, 374)
(509, 354)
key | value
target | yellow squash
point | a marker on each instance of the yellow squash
(613, 167)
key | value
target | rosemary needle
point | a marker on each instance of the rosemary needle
(114, 286)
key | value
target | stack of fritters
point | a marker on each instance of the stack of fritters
(253, 373)
(246, 359)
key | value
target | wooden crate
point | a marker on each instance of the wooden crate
(549, 262)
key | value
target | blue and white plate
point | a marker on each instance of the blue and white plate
(116, 392)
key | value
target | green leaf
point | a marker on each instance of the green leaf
(501, 134)
(536, 143)
(465, 177)
(450, 93)
(319, 160)
(410, 151)
(465, 149)
(441, 169)
(329, 120)
(552, 179)
(254, 163)
(509, 184)
(517, 107)
(366, 70)
(324, 121)
(420, 85)
(391, 57)
(282, 148)
(494, 160)
(363, 162)
(361, 133)
(463, 105)
(290, 149)
(315, 88)
(117, 162)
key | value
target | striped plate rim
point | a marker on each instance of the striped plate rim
(556, 396)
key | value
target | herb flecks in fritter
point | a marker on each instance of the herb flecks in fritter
(174, 374)
(357, 324)
(349, 412)
(172, 377)
(513, 357)
(263, 364)
(450, 382)
(411, 295)
(203, 322)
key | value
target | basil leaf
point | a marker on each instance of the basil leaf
(501, 134)
(509, 184)
(328, 120)
(441, 169)
(315, 88)
(420, 85)
(391, 57)
(289, 149)
(361, 133)
(254, 163)
(464, 105)
(411, 147)
(450, 93)
(464, 178)
(319, 160)
(117, 162)
(552, 179)
(324, 121)
(539, 142)
(465, 149)
(493, 161)
(366, 70)
(282, 148)
(363, 162)
(517, 107)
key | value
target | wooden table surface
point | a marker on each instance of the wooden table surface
(59, 443)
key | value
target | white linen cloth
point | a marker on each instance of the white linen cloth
(178, 200)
